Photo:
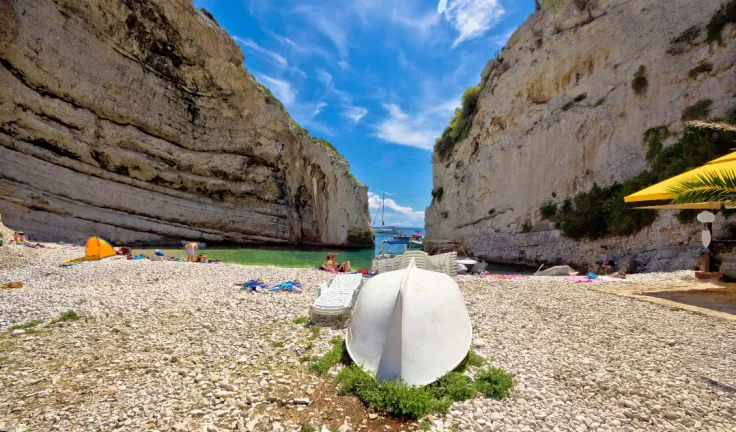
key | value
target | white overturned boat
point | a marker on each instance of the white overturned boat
(410, 324)
(557, 271)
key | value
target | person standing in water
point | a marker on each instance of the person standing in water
(191, 248)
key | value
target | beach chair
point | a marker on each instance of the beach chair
(444, 263)
(384, 265)
(420, 259)
(334, 302)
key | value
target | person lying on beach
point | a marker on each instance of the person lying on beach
(191, 248)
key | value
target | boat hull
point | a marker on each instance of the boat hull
(411, 325)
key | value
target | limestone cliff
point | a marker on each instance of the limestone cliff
(5, 233)
(135, 120)
(559, 111)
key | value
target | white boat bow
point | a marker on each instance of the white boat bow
(409, 324)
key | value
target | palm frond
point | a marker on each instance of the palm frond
(722, 126)
(711, 187)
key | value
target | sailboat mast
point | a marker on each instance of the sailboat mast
(383, 202)
(375, 218)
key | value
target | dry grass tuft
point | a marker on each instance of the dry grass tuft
(712, 125)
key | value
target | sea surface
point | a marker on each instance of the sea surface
(287, 256)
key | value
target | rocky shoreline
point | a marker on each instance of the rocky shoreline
(177, 347)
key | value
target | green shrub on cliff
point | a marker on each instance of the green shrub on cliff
(697, 111)
(438, 193)
(326, 144)
(209, 15)
(460, 123)
(358, 237)
(601, 212)
(548, 211)
(726, 14)
(640, 81)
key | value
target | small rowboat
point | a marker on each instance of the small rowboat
(409, 324)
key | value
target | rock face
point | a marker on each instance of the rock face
(5, 233)
(559, 114)
(135, 120)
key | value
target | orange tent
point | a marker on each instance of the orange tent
(96, 249)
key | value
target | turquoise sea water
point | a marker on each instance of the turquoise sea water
(286, 256)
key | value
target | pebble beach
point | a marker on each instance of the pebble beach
(170, 346)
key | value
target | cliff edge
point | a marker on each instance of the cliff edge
(136, 120)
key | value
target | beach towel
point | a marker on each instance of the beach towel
(37, 246)
(577, 279)
(252, 284)
(504, 276)
(290, 286)
(597, 279)
(611, 279)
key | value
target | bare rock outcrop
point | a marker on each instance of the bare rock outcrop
(5, 233)
(558, 113)
(137, 121)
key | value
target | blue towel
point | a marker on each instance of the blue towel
(287, 286)
(251, 285)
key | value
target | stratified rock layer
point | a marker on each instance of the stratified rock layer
(559, 114)
(136, 121)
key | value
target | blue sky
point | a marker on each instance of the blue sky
(379, 79)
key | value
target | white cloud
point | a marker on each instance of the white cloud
(335, 34)
(313, 125)
(280, 88)
(395, 213)
(404, 61)
(442, 6)
(472, 18)
(502, 38)
(352, 112)
(324, 77)
(420, 129)
(305, 47)
(355, 113)
(270, 56)
(285, 41)
(275, 57)
(395, 111)
(325, 21)
(421, 24)
(318, 108)
(343, 65)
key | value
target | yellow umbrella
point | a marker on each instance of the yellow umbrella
(659, 196)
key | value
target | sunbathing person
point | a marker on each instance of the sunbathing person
(344, 267)
(20, 237)
(329, 263)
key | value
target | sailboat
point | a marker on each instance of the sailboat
(383, 229)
